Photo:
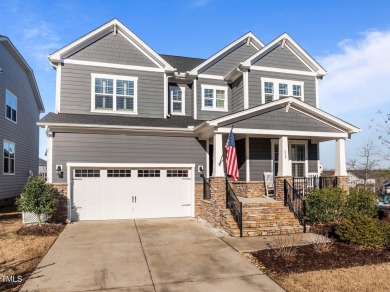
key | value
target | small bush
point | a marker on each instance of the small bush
(284, 246)
(362, 230)
(360, 201)
(325, 205)
(322, 241)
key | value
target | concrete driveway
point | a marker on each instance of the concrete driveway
(144, 255)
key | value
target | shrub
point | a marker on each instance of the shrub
(325, 205)
(362, 230)
(37, 197)
(284, 246)
(360, 201)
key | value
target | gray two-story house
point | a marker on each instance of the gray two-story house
(20, 107)
(134, 131)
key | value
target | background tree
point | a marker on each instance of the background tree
(381, 125)
(38, 198)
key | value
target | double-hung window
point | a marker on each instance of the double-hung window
(274, 89)
(112, 93)
(10, 106)
(177, 100)
(8, 157)
(214, 98)
(298, 160)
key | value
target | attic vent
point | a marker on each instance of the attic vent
(283, 43)
(115, 29)
(248, 41)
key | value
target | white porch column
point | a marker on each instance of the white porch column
(284, 159)
(207, 170)
(341, 165)
(217, 158)
(247, 160)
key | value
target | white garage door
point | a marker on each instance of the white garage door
(102, 194)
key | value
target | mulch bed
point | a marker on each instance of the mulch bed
(307, 259)
(44, 230)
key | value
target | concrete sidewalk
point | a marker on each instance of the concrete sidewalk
(145, 255)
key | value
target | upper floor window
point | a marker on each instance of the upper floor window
(178, 101)
(111, 93)
(214, 98)
(284, 88)
(11, 106)
(8, 157)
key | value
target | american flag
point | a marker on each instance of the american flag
(231, 157)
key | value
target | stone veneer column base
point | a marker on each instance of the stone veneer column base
(342, 182)
(253, 189)
(61, 214)
(279, 186)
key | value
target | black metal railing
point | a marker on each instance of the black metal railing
(303, 185)
(294, 199)
(206, 189)
(234, 205)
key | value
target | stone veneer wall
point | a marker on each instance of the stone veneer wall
(342, 182)
(61, 214)
(279, 186)
(253, 189)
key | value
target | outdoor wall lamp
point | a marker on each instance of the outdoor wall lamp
(59, 171)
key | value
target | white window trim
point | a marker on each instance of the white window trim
(183, 102)
(276, 83)
(114, 105)
(214, 88)
(298, 142)
(5, 107)
(7, 173)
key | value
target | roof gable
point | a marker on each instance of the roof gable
(114, 26)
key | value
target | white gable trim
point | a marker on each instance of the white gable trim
(280, 70)
(230, 47)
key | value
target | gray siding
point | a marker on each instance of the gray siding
(209, 115)
(228, 62)
(113, 49)
(237, 95)
(260, 157)
(282, 58)
(255, 85)
(25, 134)
(76, 89)
(188, 95)
(116, 148)
(241, 160)
(313, 157)
(279, 119)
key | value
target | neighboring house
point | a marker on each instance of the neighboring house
(42, 168)
(356, 182)
(134, 130)
(386, 187)
(20, 107)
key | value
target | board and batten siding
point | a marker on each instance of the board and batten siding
(237, 95)
(282, 58)
(76, 89)
(209, 114)
(229, 61)
(25, 133)
(121, 148)
(113, 49)
(255, 85)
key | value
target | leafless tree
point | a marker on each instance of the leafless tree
(365, 162)
(381, 125)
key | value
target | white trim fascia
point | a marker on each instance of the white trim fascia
(112, 65)
(280, 70)
(108, 27)
(242, 39)
(247, 159)
(317, 94)
(245, 88)
(58, 88)
(165, 111)
(195, 94)
(288, 133)
(214, 88)
(50, 158)
(209, 76)
(183, 102)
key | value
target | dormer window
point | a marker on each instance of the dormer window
(114, 94)
(214, 98)
(284, 89)
(177, 100)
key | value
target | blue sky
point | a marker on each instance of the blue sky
(351, 40)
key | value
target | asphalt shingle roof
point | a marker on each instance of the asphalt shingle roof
(86, 119)
(182, 64)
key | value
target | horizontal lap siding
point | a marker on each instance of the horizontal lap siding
(25, 134)
(209, 115)
(237, 95)
(113, 49)
(313, 157)
(228, 62)
(241, 159)
(76, 89)
(255, 85)
(106, 148)
(282, 58)
(260, 157)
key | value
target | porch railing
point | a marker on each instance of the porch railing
(206, 189)
(303, 185)
(234, 205)
(294, 199)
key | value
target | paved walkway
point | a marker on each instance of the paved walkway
(145, 255)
